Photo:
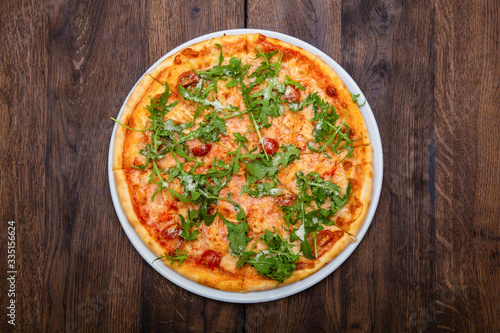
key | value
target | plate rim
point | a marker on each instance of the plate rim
(293, 288)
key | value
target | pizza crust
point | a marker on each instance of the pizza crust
(122, 187)
(205, 55)
(138, 98)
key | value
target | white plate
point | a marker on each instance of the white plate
(281, 292)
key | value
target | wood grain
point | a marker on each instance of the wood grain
(467, 166)
(430, 260)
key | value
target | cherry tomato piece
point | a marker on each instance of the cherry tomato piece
(210, 259)
(189, 78)
(172, 232)
(292, 94)
(270, 145)
(285, 200)
(201, 150)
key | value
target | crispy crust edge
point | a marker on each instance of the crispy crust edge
(130, 105)
(169, 61)
(126, 201)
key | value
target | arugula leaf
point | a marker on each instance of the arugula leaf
(299, 106)
(221, 57)
(326, 132)
(266, 103)
(355, 99)
(218, 169)
(177, 255)
(322, 189)
(237, 235)
(278, 262)
(261, 189)
(163, 134)
(211, 130)
(296, 84)
(160, 136)
(305, 247)
(238, 137)
(232, 69)
(266, 68)
(203, 210)
(260, 168)
(313, 189)
(192, 96)
(186, 225)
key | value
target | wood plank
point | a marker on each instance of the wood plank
(91, 65)
(467, 166)
(387, 48)
(23, 71)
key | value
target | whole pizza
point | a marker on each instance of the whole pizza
(243, 162)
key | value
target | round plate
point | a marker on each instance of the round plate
(280, 292)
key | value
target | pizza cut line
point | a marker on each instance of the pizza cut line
(243, 162)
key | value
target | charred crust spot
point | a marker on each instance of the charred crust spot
(304, 265)
(353, 208)
(344, 105)
(346, 165)
(352, 133)
(288, 55)
(189, 53)
(177, 60)
(338, 234)
(341, 222)
(331, 91)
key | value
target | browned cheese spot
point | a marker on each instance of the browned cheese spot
(353, 208)
(288, 55)
(189, 53)
(331, 91)
(341, 222)
(346, 165)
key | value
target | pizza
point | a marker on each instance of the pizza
(243, 162)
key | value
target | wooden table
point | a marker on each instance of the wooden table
(430, 260)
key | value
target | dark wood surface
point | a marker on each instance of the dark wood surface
(429, 262)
